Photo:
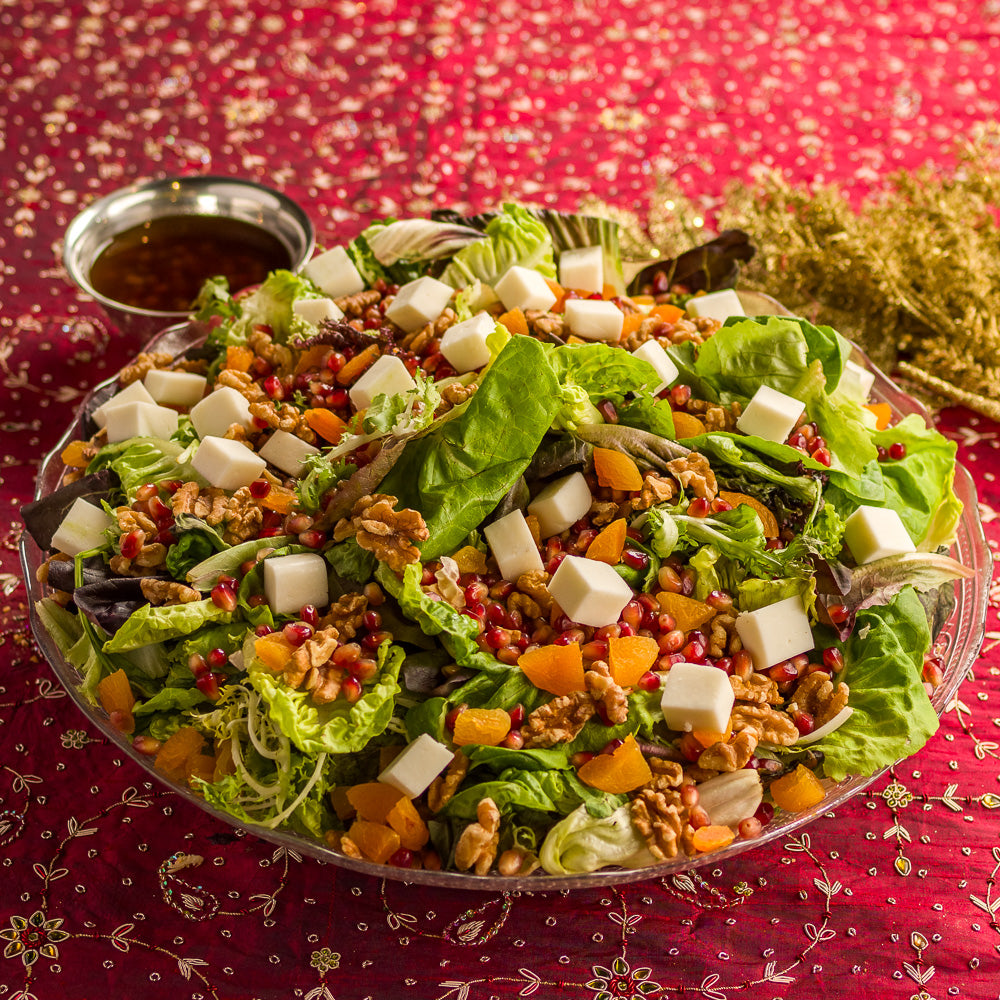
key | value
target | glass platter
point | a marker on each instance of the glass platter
(958, 643)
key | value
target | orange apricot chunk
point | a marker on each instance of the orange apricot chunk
(515, 322)
(239, 358)
(711, 838)
(686, 612)
(767, 519)
(883, 414)
(376, 841)
(708, 737)
(311, 357)
(280, 499)
(274, 651)
(171, 757)
(358, 365)
(667, 312)
(485, 726)
(686, 426)
(74, 455)
(325, 423)
(630, 324)
(409, 824)
(797, 790)
(224, 763)
(630, 656)
(556, 669)
(200, 765)
(622, 771)
(608, 544)
(470, 560)
(115, 695)
(616, 470)
(372, 800)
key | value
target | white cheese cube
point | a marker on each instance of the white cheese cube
(523, 288)
(131, 420)
(292, 582)
(387, 377)
(696, 696)
(876, 532)
(589, 592)
(594, 319)
(417, 765)
(561, 504)
(334, 273)
(82, 528)
(418, 303)
(582, 269)
(716, 305)
(856, 381)
(654, 354)
(464, 344)
(775, 632)
(316, 310)
(227, 464)
(511, 542)
(287, 452)
(219, 410)
(134, 392)
(770, 415)
(175, 388)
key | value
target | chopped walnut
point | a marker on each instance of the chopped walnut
(655, 490)
(286, 417)
(722, 633)
(168, 592)
(545, 323)
(606, 692)
(714, 416)
(345, 614)
(732, 754)
(646, 330)
(521, 604)
(659, 817)
(602, 512)
(454, 394)
(143, 364)
(534, 584)
(123, 566)
(314, 652)
(381, 529)
(444, 786)
(558, 721)
(133, 520)
(770, 725)
(349, 848)
(757, 688)
(243, 383)
(667, 774)
(419, 339)
(277, 356)
(694, 471)
(151, 555)
(239, 515)
(815, 693)
(354, 306)
(476, 846)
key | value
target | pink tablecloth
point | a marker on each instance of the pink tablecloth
(363, 110)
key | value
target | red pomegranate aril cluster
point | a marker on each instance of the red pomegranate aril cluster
(806, 438)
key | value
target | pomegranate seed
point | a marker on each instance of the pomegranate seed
(497, 638)
(782, 672)
(146, 492)
(635, 559)
(632, 614)
(648, 681)
(131, 544)
(217, 658)
(690, 748)
(883, 454)
(171, 485)
(516, 716)
(348, 653)
(371, 620)
(626, 630)
(197, 664)
(147, 745)
(335, 361)
(750, 828)
(351, 689)
(375, 639)
(611, 746)
(555, 562)
(273, 387)
(689, 794)
(839, 613)
(581, 757)
(261, 368)
(693, 651)
(764, 813)
(833, 658)
(208, 684)
(719, 600)
(496, 614)
(823, 456)
(224, 597)
(665, 623)
(513, 740)
(672, 641)
(897, 450)
(698, 817)
(297, 632)
(160, 512)
(805, 723)
(364, 669)
(452, 717)
(259, 489)
(742, 663)
(337, 399)
(797, 440)
(256, 600)
(403, 858)
(933, 671)
(263, 630)
(476, 592)
(298, 523)
(680, 395)
(270, 533)
(166, 537)
(699, 507)
(309, 614)
(608, 411)
(596, 649)
(312, 539)
(815, 444)
(725, 664)
(247, 565)
(668, 579)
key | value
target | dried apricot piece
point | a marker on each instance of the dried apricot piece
(274, 651)
(115, 695)
(557, 669)
(797, 790)
(616, 470)
(515, 322)
(485, 726)
(767, 519)
(711, 838)
(708, 738)
(409, 824)
(171, 757)
(686, 612)
(224, 763)
(470, 560)
(358, 365)
(631, 323)
(375, 840)
(312, 357)
(630, 656)
(200, 765)
(239, 358)
(608, 544)
(622, 771)
(75, 456)
(883, 414)
(667, 312)
(325, 423)
(372, 800)
(686, 426)
(280, 499)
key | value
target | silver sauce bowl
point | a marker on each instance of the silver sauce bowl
(92, 231)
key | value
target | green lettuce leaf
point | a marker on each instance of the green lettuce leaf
(160, 624)
(584, 843)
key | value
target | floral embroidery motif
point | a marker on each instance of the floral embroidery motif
(34, 937)
(621, 982)
(324, 960)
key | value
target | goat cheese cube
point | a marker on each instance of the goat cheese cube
(594, 319)
(524, 288)
(589, 592)
(134, 392)
(219, 410)
(418, 303)
(417, 765)
(654, 354)
(131, 420)
(82, 528)
(775, 632)
(696, 696)
(175, 388)
(227, 464)
(333, 273)
(876, 532)
(716, 305)
(316, 310)
(582, 269)
(287, 452)
(561, 504)
(513, 546)
(856, 381)
(291, 582)
(464, 344)
(387, 377)
(770, 415)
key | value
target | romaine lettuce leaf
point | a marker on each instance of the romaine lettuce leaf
(160, 624)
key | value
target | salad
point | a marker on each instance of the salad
(454, 552)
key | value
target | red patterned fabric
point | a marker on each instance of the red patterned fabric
(114, 887)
